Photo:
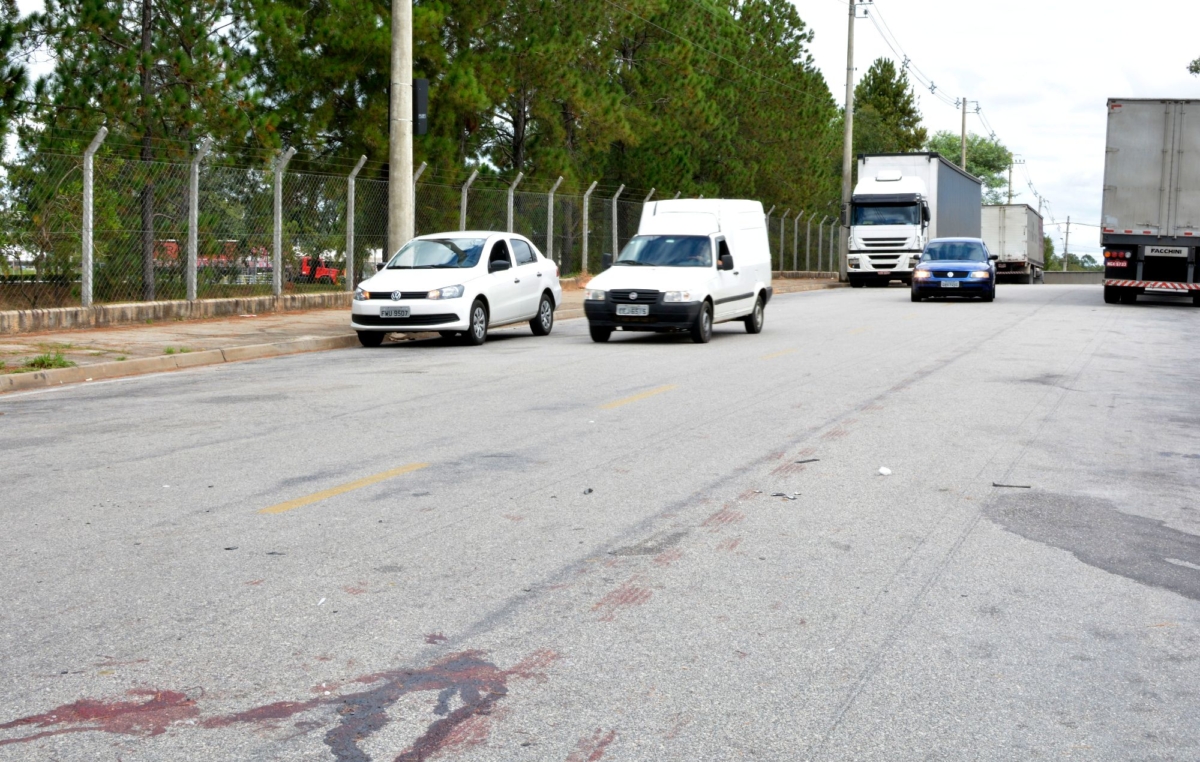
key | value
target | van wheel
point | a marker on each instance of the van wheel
(600, 335)
(702, 328)
(754, 321)
(371, 338)
(476, 334)
(544, 320)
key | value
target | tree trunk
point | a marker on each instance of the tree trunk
(147, 156)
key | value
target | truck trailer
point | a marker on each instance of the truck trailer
(901, 202)
(1150, 217)
(1014, 233)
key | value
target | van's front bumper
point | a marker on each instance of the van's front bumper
(439, 315)
(662, 317)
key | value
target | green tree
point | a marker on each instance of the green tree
(13, 76)
(1052, 260)
(1194, 67)
(886, 117)
(987, 159)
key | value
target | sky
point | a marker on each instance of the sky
(1042, 71)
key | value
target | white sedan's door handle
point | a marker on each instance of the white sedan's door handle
(735, 272)
(539, 275)
(516, 280)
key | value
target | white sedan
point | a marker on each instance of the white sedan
(458, 284)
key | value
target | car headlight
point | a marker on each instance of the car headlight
(593, 295)
(981, 274)
(449, 292)
(360, 295)
(922, 274)
(680, 296)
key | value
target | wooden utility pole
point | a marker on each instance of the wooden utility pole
(847, 147)
(401, 193)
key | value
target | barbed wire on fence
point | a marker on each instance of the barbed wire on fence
(141, 235)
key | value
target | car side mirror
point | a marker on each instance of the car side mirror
(379, 266)
(726, 262)
(993, 257)
(498, 265)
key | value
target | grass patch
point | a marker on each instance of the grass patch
(47, 362)
(174, 350)
(169, 351)
(121, 358)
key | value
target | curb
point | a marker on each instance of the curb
(41, 379)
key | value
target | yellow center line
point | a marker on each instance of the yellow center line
(316, 497)
(637, 397)
(864, 329)
(779, 354)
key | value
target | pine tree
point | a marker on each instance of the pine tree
(886, 117)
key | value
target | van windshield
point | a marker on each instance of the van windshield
(885, 214)
(442, 252)
(667, 251)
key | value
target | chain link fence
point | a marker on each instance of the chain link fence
(143, 246)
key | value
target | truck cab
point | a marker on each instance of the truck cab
(889, 225)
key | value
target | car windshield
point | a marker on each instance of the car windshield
(954, 251)
(425, 254)
(906, 214)
(667, 251)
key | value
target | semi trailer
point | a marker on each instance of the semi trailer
(901, 202)
(1150, 214)
(1014, 233)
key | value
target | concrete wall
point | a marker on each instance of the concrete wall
(1073, 278)
(59, 318)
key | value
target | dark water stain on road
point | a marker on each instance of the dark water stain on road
(477, 684)
(1100, 535)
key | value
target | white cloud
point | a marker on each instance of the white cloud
(1041, 69)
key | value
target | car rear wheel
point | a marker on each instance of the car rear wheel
(371, 338)
(754, 321)
(543, 322)
(600, 335)
(476, 334)
(702, 328)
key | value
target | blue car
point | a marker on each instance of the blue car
(955, 267)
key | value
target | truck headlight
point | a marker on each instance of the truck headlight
(360, 295)
(593, 295)
(449, 292)
(981, 274)
(922, 274)
(679, 296)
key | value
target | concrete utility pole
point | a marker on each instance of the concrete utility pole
(401, 217)
(1010, 169)
(847, 147)
(963, 164)
(1067, 244)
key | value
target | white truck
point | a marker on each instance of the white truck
(1150, 217)
(1014, 233)
(901, 202)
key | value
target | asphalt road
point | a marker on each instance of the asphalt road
(546, 549)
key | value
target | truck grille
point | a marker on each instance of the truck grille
(623, 296)
(884, 243)
(885, 262)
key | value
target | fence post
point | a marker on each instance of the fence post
(808, 245)
(512, 189)
(834, 224)
(678, 194)
(783, 236)
(796, 241)
(821, 242)
(584, 265)
(277, 254)
(616, 233)
(416, 177)
(550, 222)
(86, 265)
(193, 243)
(462, 206)
(350, 222)
(649, 196)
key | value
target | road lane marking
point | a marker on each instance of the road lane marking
(637, 397)
(864, 329)
(316, 497)
(779, 354)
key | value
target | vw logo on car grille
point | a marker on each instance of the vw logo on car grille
(633, 296)
(396, 295)
(949, 275)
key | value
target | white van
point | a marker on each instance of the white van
(693, 263)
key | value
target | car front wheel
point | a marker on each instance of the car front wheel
(371, 338)
(543, 322)
(702, 328)
(916, 297)
(477, 332)
(600, 335)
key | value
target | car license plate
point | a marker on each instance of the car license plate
(950, 284)
(633, 310)
(393, 312)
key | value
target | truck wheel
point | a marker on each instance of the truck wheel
(1112, 295)
(754, 321)
(856, 283)
(600, 335)
(702, 328)
(371, 338)
(1028, 279)
(1129, 296)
